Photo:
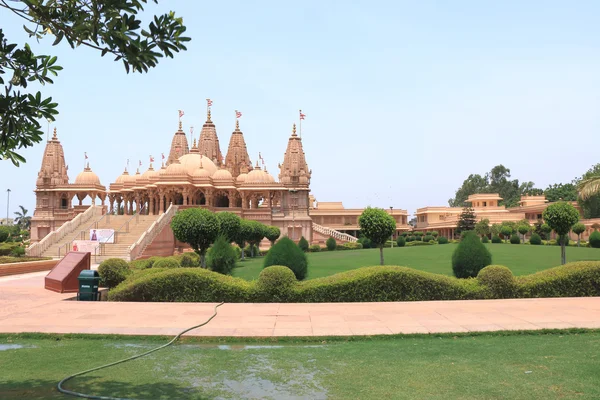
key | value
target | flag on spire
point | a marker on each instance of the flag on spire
(181, 113)
(151, 159)
(238, 114)
(140, 164)
(302, 116)
(85, 155)
(163, 155)
(209, 102)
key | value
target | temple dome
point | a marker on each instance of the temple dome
(87, 177)
(257, 175)
(150, 173)
(241, 178)
(176, 168)
(193, 161)
(201, 173)
(270, 177)
(222, 175)
(121, 178)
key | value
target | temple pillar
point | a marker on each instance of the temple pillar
(151, 205)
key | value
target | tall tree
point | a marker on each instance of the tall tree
(588, 187)
(198, 227)
(561, 191)
(561, 217)
(111, 27)
(22, 219)
(466, 220)
(473, 184)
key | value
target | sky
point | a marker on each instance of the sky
(403, 100)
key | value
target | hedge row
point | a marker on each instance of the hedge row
(387, 283)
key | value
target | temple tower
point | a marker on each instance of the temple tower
(179, 145)
(209, 142)
(295, 176)
(53, 199)
(237, 160)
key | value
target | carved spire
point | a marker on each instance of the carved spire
(179, 145)
(209, 141)
(237, 160)
(294, 170)
(53, 171)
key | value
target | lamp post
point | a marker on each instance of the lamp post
(391, 213)
(7, 204)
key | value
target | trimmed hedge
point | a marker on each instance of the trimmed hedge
(485, 239)
(7, 248)
(442, 240)
(380, 283)
(287, 253)
(113, 271)
(331, 244)
(595, 239)
(349, 246)
(400, 242)
(427, 238)
(166, 262)
(496, 239)
(303, 244)
(418, 243)
(515, 239)
(470, 256)
(535, 239)
(314, 248)
(4, 233)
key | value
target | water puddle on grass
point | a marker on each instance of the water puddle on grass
(4, 347)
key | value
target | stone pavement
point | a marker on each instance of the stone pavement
(26, 307)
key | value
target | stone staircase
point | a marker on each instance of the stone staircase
(128, 230)
(326, 233)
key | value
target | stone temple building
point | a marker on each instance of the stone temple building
(194, 174)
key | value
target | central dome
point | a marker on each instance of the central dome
(193, 161)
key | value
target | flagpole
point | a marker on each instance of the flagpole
(300, 124)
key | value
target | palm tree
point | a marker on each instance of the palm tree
(588, 187)
(22, 219)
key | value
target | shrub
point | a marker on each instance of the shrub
(349, 246)
(595, 240)
(251, 251)
(189, 260)
(4, 233)
(198, 227)
(427, 238)
(496, 239)
(275, 284)
(113, 271)
(184, 285)
(575, 279)
(366, 242)
(470, 257)
(535, 239)
(166, 262)
(287, 253)
(400, 242)
(238, 251)
(419, 243)
(7, 248)
(331, 244)
(419, 233)
(435, 234)
(143, 263)
(222, 257)
(314, 248)
(515, 239)
(485, 239)
(18, 251)
(442, 240)
(272, 233)
(303, 244)
(229, 225)
(499, 281)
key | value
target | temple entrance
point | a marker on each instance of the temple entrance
(178, 199)
(199, 199)
(222, 200)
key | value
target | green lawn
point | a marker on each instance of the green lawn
(492, 366)
(521, 259)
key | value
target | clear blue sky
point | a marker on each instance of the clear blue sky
(403, 99)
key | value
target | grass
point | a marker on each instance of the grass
(516, 366)
(521, 259)
(11, 259)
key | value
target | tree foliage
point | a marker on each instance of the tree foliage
(244, 234)
(111, 27)
(589, 200)
(470, 256)
(198, 227)
(222, 256)
(257, 233)
(230, 225)
(561, 216)
(287, 253)
(561, 191)
(578, 229)
(303, 244)
(482, 228)
(378, 226)
(22, 219)
(272, 233)
(466, 220)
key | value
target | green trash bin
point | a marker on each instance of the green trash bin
(88, 285)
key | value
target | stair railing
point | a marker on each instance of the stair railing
(125, 225)
(333, 233)
(136, 249)
(37, 249)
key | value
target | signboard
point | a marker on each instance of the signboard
(86, 246)
(102, 235)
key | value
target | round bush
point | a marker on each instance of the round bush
(222, 257)
(331, 244)
(499, 280)
(4, 233)
(485, 239)
(535, 239)
(595, 240)
(427, 238)
(401, 242)
(275, 284)
(112, 272)
(189, 260)
(435, 234)
(470, 257)
(496, 239)
(366, 242)
(314, 248)
(303, 244)
(18, 251)
(287, 253)
(442, 240)
(515, 239)
(166, 262)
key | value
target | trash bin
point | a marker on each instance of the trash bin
(88, 285)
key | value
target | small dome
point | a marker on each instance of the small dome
(242, 178)
(201, 173)
(193, 161)
(87, 177)
(150, 174)
(121, 178)
(270, 177)
(130, 179)
(222, 175)
(175, 168)
(257, 175)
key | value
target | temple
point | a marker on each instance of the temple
(194, 175)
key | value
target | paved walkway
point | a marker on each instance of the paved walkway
(26, 307)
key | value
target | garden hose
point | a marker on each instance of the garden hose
(88, 396)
